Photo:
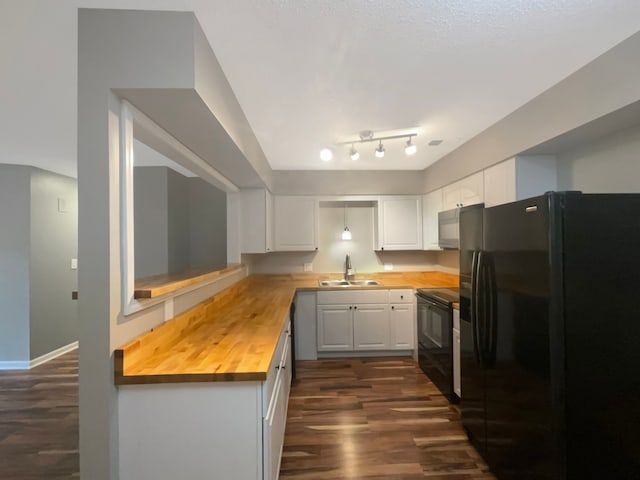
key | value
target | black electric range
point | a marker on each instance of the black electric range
(435, 336)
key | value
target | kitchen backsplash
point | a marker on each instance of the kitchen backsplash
(332, 250)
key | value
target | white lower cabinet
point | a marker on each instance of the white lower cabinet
(371, 327)
(276, 417)
(335, 328)
(365, 320)
(402, 326)
(226, 430)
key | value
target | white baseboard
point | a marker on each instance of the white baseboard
(27, 365)
(51, 355)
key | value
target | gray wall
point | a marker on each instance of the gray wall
(14, 262)
(151, 222)
(178, 215)
(179, 222)
(54, 242)
(362, 182)
(37, 244)
(208, 224)
(611, 164)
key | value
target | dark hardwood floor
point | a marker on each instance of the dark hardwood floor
(374, 419)
(39, 421)
(366, 418)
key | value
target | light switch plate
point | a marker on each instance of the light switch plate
(308, 267)
(74, 264)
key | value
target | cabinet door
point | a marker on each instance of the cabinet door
(402, 323)
(472, 189)
(371, 327)
(431, 205)
(400, 223)
(296, 223)
(500, 183)
(256, 220)
(335, 328)
(468, 191)
(451, 196)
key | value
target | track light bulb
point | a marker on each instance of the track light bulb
(326, 154)
(380, 150)
(410, 149)
(354, 154)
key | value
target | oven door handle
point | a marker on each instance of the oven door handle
(431, 303)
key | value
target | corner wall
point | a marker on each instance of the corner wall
(604, 86)
(608, 165)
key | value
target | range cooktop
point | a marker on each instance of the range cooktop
(445, 295)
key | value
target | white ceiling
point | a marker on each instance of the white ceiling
(309, 72)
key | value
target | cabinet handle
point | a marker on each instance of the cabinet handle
(401, 297)
(350, 307)
(393, 307)
(316, 248)
(355, 307)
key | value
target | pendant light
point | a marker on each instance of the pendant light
(380, 150)
(346, 233)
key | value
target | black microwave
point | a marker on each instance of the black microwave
(448, 230)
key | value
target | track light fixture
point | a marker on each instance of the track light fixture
(368, 136)
(410, 148)
(326, 154)
(354, 154)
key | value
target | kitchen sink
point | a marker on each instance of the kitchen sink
(347, 283)
(364, 282)
(334, 283)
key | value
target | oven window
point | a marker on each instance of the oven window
(433, 323)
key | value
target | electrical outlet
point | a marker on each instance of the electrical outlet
(74, 264)
(308, 267)
(388, 266)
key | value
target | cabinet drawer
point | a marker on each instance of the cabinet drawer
(352, 296)
(401, 296)
(277, 361)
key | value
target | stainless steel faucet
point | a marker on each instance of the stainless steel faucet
(348, 269)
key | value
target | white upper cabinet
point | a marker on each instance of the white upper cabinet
(468, 191)
(431, 205)
(295, 223)
(518, 178)
(256, 211)
(399, 223)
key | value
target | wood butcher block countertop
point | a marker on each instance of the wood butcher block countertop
(233, 335)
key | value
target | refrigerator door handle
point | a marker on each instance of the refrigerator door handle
(475, 304)
(493, 311)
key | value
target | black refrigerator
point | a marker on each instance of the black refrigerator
(550, 335)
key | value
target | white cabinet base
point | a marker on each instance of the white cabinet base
(203, 430)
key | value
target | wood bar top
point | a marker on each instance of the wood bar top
(151, 287)
(233, 335)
